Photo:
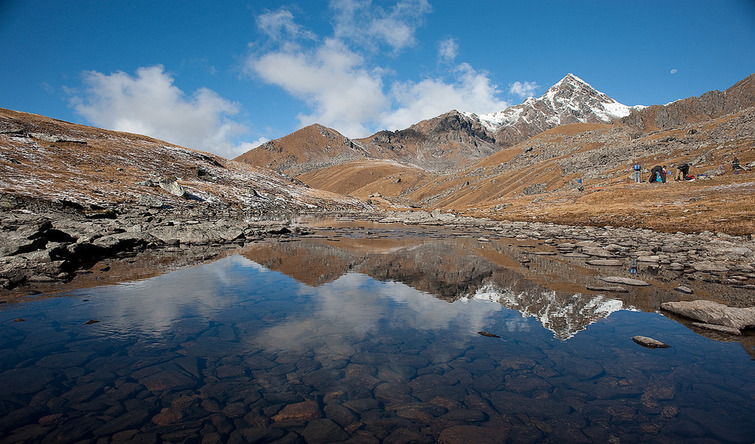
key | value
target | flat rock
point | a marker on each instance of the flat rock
(648, 258)
(596, 251)
(709, 266)
(649, 342)
(709, 312)
(683, 289)
(719, 328)
(605, 262)
(625, 281)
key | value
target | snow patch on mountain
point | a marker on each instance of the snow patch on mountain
(571, 100)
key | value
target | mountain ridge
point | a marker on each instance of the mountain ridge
(454, 139)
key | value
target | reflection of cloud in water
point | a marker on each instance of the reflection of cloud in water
(153, 305)
(355, 307)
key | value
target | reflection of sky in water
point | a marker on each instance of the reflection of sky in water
(234, 313)
(350, 309)
(154, 305)
(355, 307)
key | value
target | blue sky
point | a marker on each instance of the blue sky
(225, 76)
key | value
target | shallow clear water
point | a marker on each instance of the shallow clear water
(232, 351)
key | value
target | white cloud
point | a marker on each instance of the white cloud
(447, 50)
(279, 26)
(470, 90)
(150, 104)
(331, 79)
(523, 90)
(344, 87)
(366, 25)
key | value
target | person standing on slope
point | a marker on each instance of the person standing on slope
(637, 172)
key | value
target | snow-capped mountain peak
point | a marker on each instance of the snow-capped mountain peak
(571, 100)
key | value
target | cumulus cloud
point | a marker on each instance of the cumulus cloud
(447, 50)
(332, 80)
(345, 79)
(523, 90)
(149, 103)
(468, 90)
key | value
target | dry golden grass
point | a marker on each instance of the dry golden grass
(723, 204)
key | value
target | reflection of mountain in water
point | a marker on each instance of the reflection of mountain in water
(562, 313)
(448, 269)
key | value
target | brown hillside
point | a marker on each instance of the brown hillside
(305, 150)
(540, 183)
(362, 179)
(48, 159)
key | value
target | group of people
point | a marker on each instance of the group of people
(659, 172)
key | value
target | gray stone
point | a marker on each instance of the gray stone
(649, 342)
(648, 258)
(709, 266)
(719, 328)
(171, 185)
(596, 251)
(605, 262)
(625, 281)
(709, 312)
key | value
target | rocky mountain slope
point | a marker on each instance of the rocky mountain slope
(710, 105)
(571, 100)
(446, 142)
(539, 179)
(51, 160)
(462, 162)
(72, 195)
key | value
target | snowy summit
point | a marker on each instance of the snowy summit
(571, 100)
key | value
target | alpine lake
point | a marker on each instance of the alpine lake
(371, 333)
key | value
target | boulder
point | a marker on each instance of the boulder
(172, 186)
(649, 342)
(709, 312)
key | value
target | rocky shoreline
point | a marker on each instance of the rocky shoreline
(49, 242)
(45, 243)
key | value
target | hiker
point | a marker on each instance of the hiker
(637, 172)
(658, 174)
(683, 173)
(736, 166)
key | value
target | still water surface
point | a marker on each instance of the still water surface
(233, 351)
